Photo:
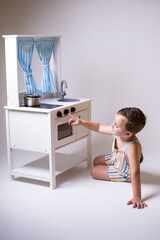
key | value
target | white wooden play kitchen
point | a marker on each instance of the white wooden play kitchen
(44, 127)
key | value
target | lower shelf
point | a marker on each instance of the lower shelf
(39, 169)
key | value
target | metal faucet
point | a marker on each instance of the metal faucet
(62, 92)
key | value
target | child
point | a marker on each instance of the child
(123, 164)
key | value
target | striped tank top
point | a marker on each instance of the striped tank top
(119, 160)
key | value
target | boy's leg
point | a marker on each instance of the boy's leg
(100, 169)
(100, 160)
(100, 172)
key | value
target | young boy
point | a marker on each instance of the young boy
(123, 164)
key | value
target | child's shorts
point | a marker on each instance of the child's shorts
(115, 176)
(112, 171)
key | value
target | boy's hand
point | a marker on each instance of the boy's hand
(137, 203)
(73, 120)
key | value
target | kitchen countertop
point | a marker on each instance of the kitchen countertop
(48, 101)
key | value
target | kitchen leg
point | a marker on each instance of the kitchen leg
(9, 149)
(89, 143)
(51, 148)
(52, 170)
(89, 151)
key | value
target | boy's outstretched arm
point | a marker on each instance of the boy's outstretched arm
(94, 126)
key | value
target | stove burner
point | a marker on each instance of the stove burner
(46, 106)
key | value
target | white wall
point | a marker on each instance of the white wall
(110, 53)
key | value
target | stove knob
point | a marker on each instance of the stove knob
(73, 109)
(66, 111)
(59, 114)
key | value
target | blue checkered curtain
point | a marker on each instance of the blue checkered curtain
(25, 53)
(44, 48)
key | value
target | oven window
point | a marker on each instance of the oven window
(64, 130)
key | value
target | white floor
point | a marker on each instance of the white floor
(79, 208)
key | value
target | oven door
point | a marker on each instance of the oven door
(65, 133)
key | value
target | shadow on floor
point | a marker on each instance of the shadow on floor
(74, 174)
(150, 178)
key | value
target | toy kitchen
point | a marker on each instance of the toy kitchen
(37, 116)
